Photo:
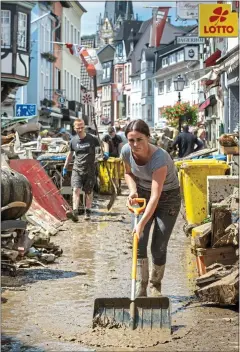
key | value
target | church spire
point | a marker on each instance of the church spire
(118, 9)
(129, 11)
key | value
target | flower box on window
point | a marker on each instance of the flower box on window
(184, 111)
(49, 57)
(48, 102)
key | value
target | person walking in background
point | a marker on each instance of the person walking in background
(121, 133)
(202, 134)
(84, 168)
(186, 143)
(150, 173)
(112, 144)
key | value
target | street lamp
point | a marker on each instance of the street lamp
(179, 86)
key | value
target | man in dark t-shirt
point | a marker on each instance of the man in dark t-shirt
(186, 142)
(112, 144)
(83, 172)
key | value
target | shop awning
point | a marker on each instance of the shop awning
(210, 79)
(211, 60)
(230, 63)
(210, 101)
(205, 104)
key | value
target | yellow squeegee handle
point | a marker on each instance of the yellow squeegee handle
(137, 210)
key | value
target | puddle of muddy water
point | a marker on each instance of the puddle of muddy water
(14, 345)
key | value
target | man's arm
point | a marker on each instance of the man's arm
(176, 142)
(68, 159)
(199, 144)
(105, 142)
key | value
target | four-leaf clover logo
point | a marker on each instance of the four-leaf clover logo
(219, 15)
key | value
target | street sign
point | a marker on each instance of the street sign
(61, 100)
(26, 110)
(190, 40)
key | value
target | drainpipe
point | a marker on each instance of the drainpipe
(225, 102)
(58, 23)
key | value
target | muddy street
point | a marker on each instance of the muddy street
(51, 309)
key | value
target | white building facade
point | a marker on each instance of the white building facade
(173, 64)
(71, 64)
(136, 96)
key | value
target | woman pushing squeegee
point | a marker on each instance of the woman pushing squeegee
(150, 175)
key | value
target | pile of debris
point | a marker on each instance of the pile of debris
(216, 247)
(26, 226)
(23, 139)
(23, 248)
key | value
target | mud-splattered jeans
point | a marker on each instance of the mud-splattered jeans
(164, 219)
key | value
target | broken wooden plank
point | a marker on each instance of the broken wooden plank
(224, 291)
(7, 253)
(201, 152)
(235, 205)
(201, 235)
(213, 275)
(208, 256)
(221, 219)
(37, 215)
(235, 193)
(26, 263)
(231, 237)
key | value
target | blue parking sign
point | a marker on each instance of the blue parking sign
(25, 110)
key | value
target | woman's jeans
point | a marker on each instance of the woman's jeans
(164, 219)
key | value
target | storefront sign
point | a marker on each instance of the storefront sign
(217, 21)
(187, 10)
(191, 53)
(190, 40)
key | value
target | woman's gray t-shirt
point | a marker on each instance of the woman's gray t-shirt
(143, 173)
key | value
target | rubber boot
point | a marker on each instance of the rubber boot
(156, 279)
(72, 214)
(142, 277)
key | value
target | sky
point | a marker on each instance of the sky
(94, 8)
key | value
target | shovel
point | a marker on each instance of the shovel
(134, 313)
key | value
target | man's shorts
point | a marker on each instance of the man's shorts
(85, 181)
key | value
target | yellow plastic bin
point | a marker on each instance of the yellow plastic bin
(116, 169)
(122, 169)
(179, 163)
(194, 183)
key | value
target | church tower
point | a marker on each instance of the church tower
(115, 12)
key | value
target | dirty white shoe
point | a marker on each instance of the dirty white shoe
(156, 279)
(142, 277)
